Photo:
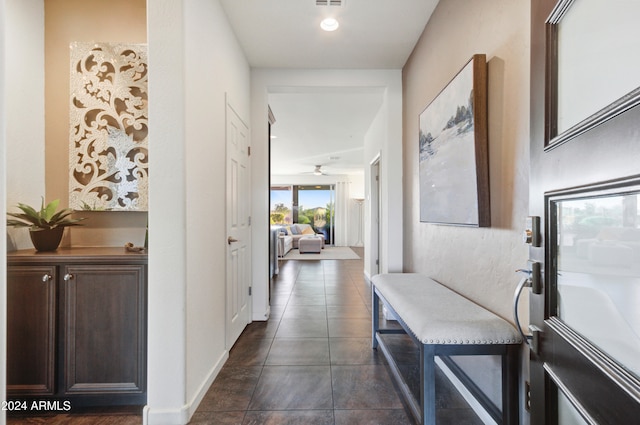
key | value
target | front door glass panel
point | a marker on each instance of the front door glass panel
(588, 58)
(597, 257)
(567, 413)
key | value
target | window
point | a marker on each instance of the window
(312, 204)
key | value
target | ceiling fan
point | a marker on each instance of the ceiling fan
(318, 171)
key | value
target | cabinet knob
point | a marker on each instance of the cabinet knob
(46, 278)
(68, 277)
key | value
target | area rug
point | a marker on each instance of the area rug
(328, 253)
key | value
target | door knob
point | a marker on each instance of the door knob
(231, 239)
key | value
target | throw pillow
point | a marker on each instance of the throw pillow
(308, 230)
(295, 230)
(283, 230)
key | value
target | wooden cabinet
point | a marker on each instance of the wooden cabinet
(77, 326)
(31, 318)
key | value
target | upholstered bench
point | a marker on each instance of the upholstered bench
(310, 244)
(444, 323)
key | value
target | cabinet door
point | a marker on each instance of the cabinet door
(105, 329)
(31, 324)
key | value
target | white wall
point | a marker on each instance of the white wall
(25, 150)
(21, 130)
(166, 380)
(355, 221)
(187, 91)
(3, 205)
(383, 141)
(262, 80)
(215, 70)
(476, 262)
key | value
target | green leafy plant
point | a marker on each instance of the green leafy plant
(45, 218)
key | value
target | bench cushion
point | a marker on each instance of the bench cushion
(437, 315)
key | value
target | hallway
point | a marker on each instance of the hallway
(312, 362)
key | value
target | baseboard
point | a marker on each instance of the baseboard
(261, 318)
(477, 407)
(204, 387)
(183, 415)
(164, 417)
(367, 276)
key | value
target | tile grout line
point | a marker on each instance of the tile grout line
(333, 399)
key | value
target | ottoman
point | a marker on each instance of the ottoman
(310, 244)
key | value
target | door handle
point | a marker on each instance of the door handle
(525, 282)
(231, 239)
(533, 280)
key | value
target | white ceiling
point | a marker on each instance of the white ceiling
(325, 127)
(314, 126)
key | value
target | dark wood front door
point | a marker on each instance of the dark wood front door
(584, 187)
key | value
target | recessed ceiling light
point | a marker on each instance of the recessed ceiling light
(329, 24)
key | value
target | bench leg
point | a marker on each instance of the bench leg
(510, 399)
(375, 317)
(428, 384)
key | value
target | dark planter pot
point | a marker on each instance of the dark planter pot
(46, 240)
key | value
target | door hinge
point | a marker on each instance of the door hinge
(248, 150)
(249, 221)
(249, 290)
(527, 396)
(377, 262)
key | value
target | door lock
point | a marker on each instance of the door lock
(531, 235)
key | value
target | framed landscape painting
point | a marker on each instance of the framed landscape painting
(453, 153)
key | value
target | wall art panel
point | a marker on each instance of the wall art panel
(453, 164)
(108, 152)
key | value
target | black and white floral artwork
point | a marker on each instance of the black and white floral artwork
(108, 155)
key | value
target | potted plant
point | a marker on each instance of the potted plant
(45, 226)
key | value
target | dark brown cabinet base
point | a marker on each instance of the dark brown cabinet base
(76, 327)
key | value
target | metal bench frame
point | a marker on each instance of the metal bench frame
(424, 410)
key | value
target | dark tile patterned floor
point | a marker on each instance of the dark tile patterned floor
(312, 362)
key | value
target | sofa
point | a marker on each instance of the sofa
(285, 244)
(298, 230)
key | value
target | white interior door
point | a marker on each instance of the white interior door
(238, 277)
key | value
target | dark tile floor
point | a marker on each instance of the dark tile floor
(312, 362)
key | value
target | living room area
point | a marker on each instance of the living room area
(317, 172)
(305, 225)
